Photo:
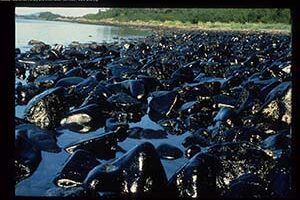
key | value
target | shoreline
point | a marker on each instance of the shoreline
(179, 26)
(161, 27)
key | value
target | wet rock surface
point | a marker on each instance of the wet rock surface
(84, 119)
(173, 115)
(103, 147)
(27, 158)
(248, 186)
(46, 109)
(139, 133)
(192, 150)
(76, 169)
(138, 173)
(162, 104)
(195, 179)
(168, 152)
(237, 159)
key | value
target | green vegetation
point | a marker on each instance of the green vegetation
(48, 16)
(41, 15)
(185, 18)
(195, 15)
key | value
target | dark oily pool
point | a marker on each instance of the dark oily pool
(192, 114)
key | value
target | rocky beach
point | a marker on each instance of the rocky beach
(177, 114)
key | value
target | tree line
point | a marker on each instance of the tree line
(195, 15)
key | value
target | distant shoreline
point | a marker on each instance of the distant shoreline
(176, 26)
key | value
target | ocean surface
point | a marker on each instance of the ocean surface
(55, 32)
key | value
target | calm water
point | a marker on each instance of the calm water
(53, 32)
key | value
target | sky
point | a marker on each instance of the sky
(74, 12)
